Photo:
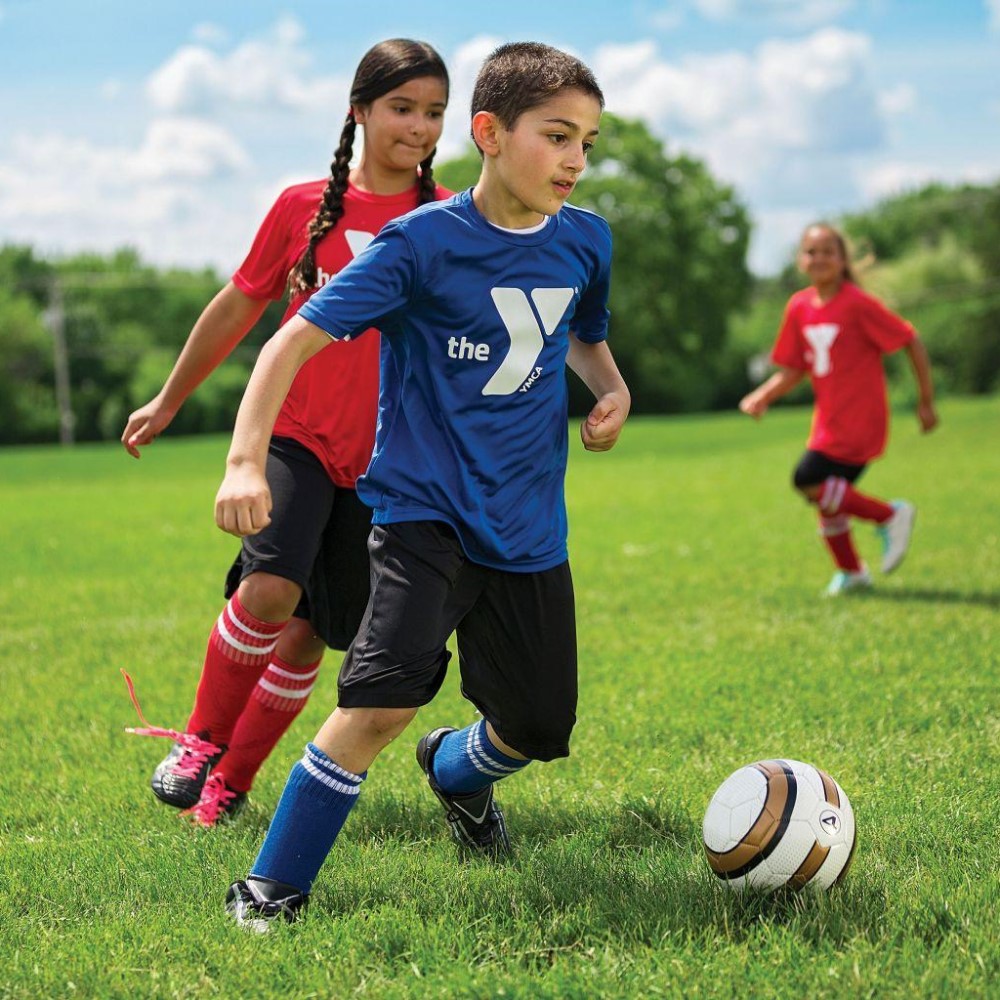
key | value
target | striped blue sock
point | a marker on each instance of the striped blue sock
(317, 798)
(466, 761)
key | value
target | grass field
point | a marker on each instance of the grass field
(704, 645)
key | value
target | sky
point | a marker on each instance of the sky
(171, 127)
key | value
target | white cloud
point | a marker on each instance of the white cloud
(757, 117)
(794, 13)
(463, 66)
(161, 195)
(895, 177)
(210, 34)
(993, 9)
(273, 73)
(898, 100)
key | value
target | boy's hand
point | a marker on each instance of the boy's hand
(927, 416)
(243, 503)
(754, 405)
(604, 423)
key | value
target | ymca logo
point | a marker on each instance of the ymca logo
(527, 327)
(821, 337)
(357, 240)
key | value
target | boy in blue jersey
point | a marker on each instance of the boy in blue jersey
(482, 300)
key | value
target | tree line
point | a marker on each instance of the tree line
(87, 338)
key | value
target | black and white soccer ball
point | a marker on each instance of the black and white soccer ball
(779, 823)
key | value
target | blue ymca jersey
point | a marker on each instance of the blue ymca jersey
(472, 421)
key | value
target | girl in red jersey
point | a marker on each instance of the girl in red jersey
(302, 583)
(837, 334)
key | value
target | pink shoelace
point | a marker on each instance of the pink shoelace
(211, 807)
(196, 750)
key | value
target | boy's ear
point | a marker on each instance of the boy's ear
(485, 130)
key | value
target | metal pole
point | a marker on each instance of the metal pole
(56, 316)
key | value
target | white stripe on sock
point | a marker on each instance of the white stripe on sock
(272, 669)
(246, 628)
(320, 775)
(328, 765)
(231, 640)
(481, 760)
(284, 692)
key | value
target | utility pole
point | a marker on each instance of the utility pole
(56, 317)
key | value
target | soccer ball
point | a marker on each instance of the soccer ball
(779, 822)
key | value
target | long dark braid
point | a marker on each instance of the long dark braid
(428, 189)
(303, 276)
(383, 68)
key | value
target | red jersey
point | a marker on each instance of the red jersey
(331, 406)
(841, 343)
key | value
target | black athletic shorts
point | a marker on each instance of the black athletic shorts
(814, 468)
(317, 538)
(516, 637)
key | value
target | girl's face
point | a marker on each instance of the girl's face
(539, 161)
(403, 127)
(820, 256)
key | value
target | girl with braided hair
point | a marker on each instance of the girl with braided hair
(302, 583)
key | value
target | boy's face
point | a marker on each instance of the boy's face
(541, 158)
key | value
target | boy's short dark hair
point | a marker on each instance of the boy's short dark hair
(521, 75)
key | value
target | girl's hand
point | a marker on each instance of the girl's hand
(753, 405)
(144, 425)
(604, 423)
(927, 416)
(243, 503)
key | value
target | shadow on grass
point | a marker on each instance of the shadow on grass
(981, 599)
(634, 871)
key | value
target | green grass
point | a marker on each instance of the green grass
(704, 645)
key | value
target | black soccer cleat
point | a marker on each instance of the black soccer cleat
(257, 902)
(475, 819)
(181, 775)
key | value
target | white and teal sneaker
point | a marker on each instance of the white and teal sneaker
(895, 534)
(845, 582)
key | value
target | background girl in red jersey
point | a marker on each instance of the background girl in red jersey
(837, 334)
(302, 583)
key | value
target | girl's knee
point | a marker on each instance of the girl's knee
(268, 597)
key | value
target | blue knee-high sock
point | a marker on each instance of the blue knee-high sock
(466, 760)
(317, 798)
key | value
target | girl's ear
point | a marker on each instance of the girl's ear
(359, 114)
(485, 130)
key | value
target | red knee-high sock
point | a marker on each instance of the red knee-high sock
(277, 699)
(239, 649)
(840, 497)
(836, 532)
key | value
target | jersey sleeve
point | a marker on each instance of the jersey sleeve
(887, 331)
(264, 273)
(590, 321)
(788, 345)
(370, 291)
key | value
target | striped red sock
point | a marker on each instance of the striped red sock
(836, 532)
(840, 497)
(278, 698)
(239, 649)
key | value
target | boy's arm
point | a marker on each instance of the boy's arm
(755, 403)
(921, 363)
(243, 503)
(223, 323)
(596, 367)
